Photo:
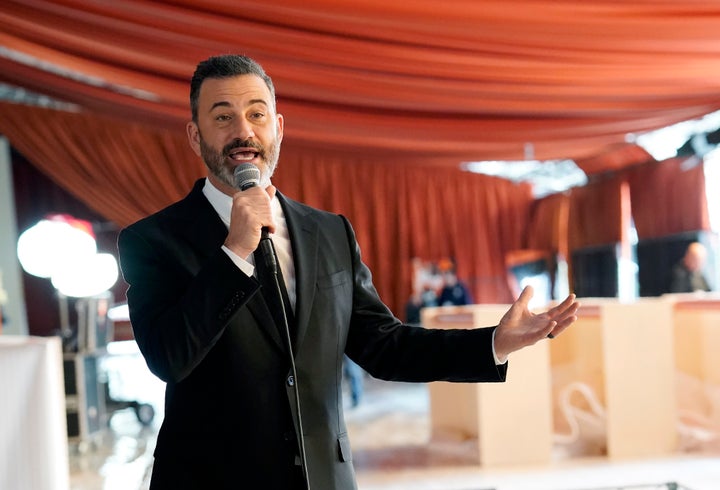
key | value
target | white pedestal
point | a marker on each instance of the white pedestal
(33, 432)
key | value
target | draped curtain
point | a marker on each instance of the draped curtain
(443, 83)
(598, 223)
(399, 211)
(669, 197)
(599, 213)
(403, 211)
(382, 102)
(664, 198)
(123, 171)
(549, 224)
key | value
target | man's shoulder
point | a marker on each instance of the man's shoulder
(303, 209)
(179, 210)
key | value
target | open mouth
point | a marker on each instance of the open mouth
(243, 155)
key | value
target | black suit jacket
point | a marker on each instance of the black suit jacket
(230, 418)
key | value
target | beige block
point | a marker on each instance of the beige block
(697, 338)
(515, 417)
(578, 351)
(453, 406)
(453, 411)
(639, 378)
(512, 421)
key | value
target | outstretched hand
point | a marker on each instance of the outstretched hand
(520, 328)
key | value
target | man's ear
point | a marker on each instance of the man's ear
(193, 134)
(280, 126)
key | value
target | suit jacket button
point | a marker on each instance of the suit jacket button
(291, 380)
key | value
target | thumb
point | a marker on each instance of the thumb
(271, 190)
(525, 297)
(520, 306)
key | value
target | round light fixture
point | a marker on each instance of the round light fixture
(88, 276)
(52, 242)
(63, 249)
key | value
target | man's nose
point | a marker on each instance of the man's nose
(244, 129)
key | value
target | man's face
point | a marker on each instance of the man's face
(695, 257)
(236, 123)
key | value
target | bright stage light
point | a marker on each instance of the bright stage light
(63, 249)
(50, 243)
(87, 276)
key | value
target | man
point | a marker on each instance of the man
(233, 418)
(687, 275)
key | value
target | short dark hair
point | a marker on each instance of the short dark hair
(225, 66)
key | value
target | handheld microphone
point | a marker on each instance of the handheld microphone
(246, 176)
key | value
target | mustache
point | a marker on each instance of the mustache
(238, 143)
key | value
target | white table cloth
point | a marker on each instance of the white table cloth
(33, 427)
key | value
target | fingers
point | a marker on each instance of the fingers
(565, 309)
(564, 319)
(551, 327)
(567, 312)
(255, 203)
(251, 211)
(519, 308)
(561, 326)
(525, 296)
(565, 304)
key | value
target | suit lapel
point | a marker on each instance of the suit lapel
(259, 308)
(304, 240)
(203, 227)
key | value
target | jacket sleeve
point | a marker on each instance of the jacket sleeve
(179, 304)
(391, 350)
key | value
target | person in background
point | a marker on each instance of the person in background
(413, 307)
(254, 398)
(454, 291)
(687, 275)
(354, 375)
(424, 290)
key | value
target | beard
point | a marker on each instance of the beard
(217, 161)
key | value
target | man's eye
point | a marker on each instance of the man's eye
(223, 117)
(258, 115)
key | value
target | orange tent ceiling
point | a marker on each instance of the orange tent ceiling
(424, 81)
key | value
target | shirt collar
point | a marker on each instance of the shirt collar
(221, 202)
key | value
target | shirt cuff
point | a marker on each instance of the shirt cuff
(246, 266)
(498, 362)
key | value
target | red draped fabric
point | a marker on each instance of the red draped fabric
(669, 197)
(441, 83)
(121, 170)
(599, 213)
(399, 211)
(382, 102)
(549, 224)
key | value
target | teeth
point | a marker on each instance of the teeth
(244, 155)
